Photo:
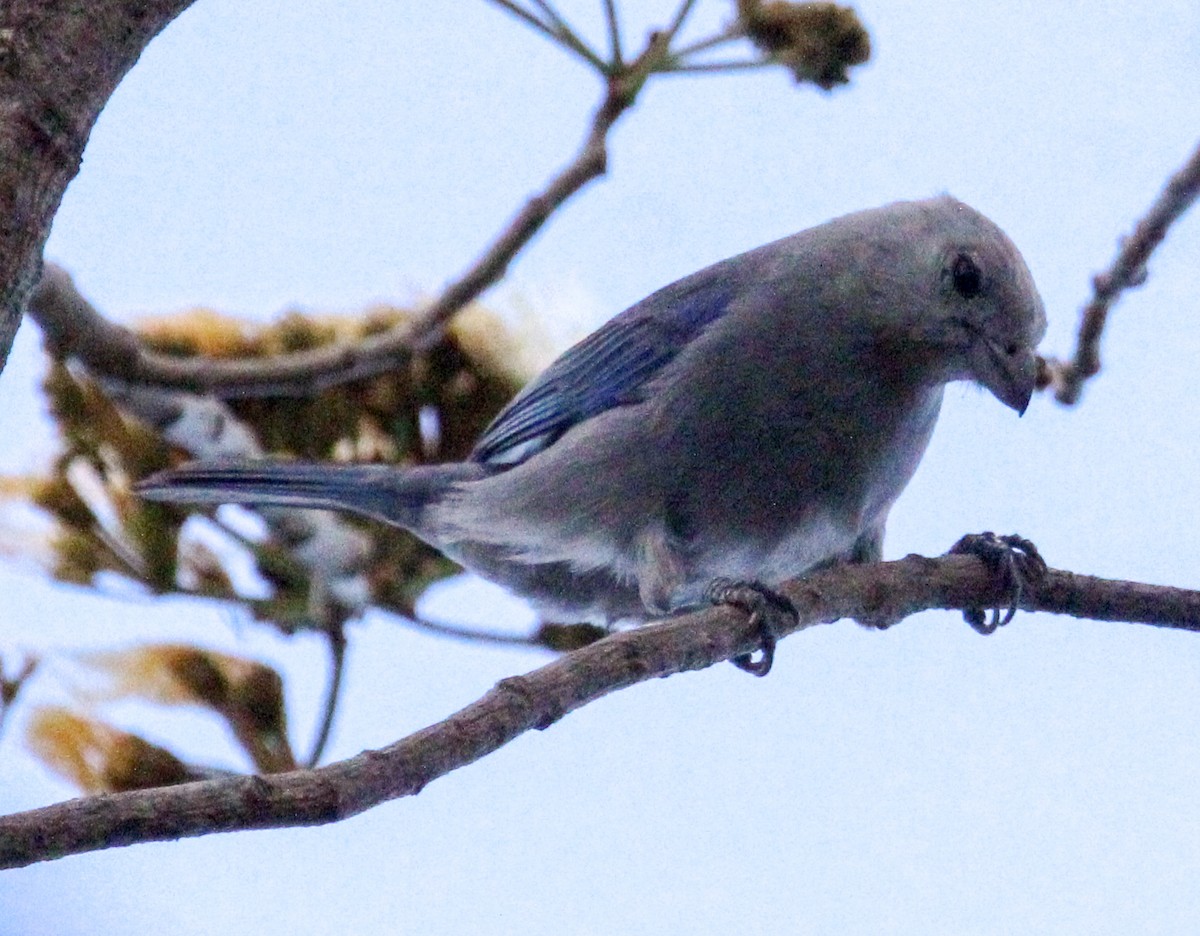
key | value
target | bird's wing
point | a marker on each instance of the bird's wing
(609, 368)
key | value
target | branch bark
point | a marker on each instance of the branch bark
(1128, 270)
(887, 591)
(60, 61)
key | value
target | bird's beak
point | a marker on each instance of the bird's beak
(1010, 377)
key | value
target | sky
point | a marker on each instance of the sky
(922, 780)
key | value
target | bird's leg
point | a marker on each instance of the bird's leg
(764, 606)
(1015, 559)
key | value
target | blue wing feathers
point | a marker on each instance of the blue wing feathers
(607, 369)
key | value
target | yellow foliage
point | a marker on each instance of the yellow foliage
(97, 757)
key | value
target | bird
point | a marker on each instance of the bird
(748, 424)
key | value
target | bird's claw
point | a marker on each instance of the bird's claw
(1015, 559)
(764, 606)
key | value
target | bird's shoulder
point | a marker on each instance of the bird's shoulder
(612, 366)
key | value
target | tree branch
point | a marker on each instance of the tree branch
(554, 29)
(473, 634)
(1127, 271)
(336, 638)
(59, 62)
(680, 17)
(526, 17)
(75, 328)
(569, 37)
(616, 53)
(886, 591)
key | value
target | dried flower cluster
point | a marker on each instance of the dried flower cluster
(817, 42)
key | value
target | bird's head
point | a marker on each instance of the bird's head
(986, 317)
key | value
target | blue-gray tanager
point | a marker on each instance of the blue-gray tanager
(750, 422)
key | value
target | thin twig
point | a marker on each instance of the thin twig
(527, 17)
(473, 635)
(692, 68)
(1127, 271)
(568, 37)
(614, 34)
(731, 34)
(887, 591)
(552, 15)
(677, 22)
(336, 636)
(590, 162)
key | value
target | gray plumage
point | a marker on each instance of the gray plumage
(754, 421)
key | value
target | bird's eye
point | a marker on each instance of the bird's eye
(968, 280)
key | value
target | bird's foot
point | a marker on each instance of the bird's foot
(765, 607)
(1018, 563)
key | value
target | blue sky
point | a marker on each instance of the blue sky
(924, 780)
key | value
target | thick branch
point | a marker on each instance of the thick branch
(60, 60)
(1127, 270)
(880, 592)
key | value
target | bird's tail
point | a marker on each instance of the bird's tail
(384, 492)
